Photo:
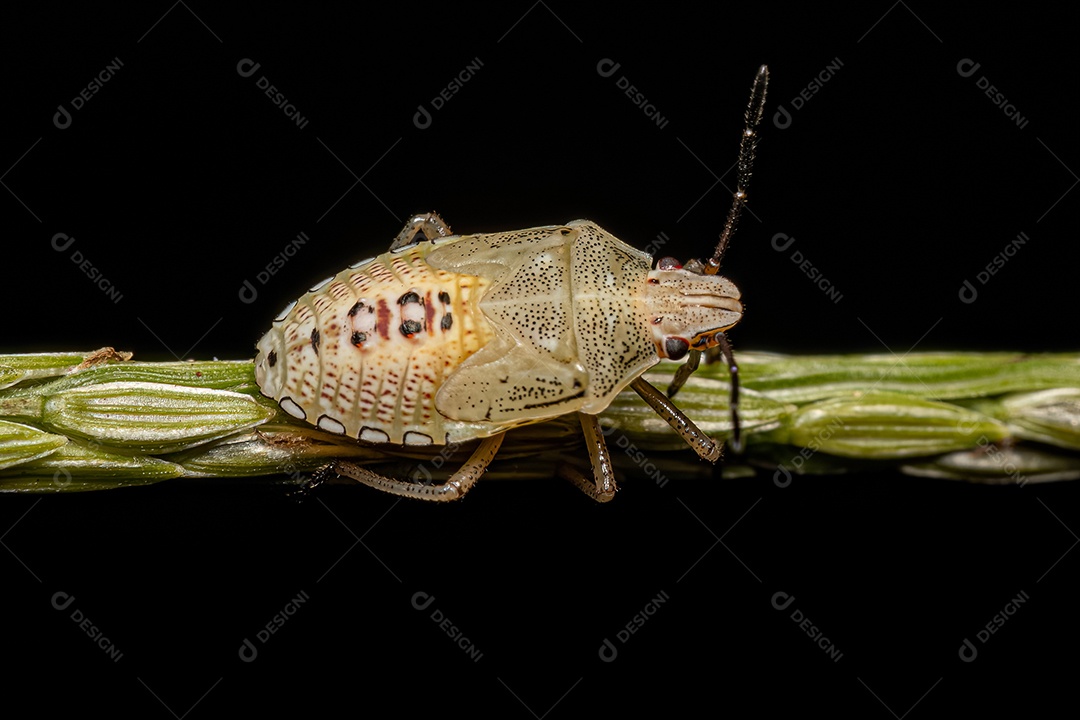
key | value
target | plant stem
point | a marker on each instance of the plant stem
(83, 421)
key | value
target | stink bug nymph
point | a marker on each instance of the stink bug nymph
(448, 339)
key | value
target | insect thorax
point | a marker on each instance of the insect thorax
(569, 330)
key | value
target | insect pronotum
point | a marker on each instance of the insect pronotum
(449, 339)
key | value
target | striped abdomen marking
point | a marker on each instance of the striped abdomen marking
(365, 353)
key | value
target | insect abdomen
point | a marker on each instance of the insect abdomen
(364, 353)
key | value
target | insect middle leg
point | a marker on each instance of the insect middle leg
(601, 486)
(429, 224)
(454, 488)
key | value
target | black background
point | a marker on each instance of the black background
(899, 179)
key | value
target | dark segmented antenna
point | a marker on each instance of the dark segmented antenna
(755, 109)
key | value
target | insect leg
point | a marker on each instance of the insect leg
(429, 224)
(733, 374)
(601, 486)
(702, 444)
(693, 358)
(453, 489)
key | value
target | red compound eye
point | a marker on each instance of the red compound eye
(668, 263)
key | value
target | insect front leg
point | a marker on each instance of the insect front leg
(454, 488)
(693, 358)
(430, 225)
(722, 350)
(601, 486)
(703, 445)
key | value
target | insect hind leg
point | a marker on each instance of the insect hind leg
(454, 488)
(430, 225)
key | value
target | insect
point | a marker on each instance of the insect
(448, 339)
